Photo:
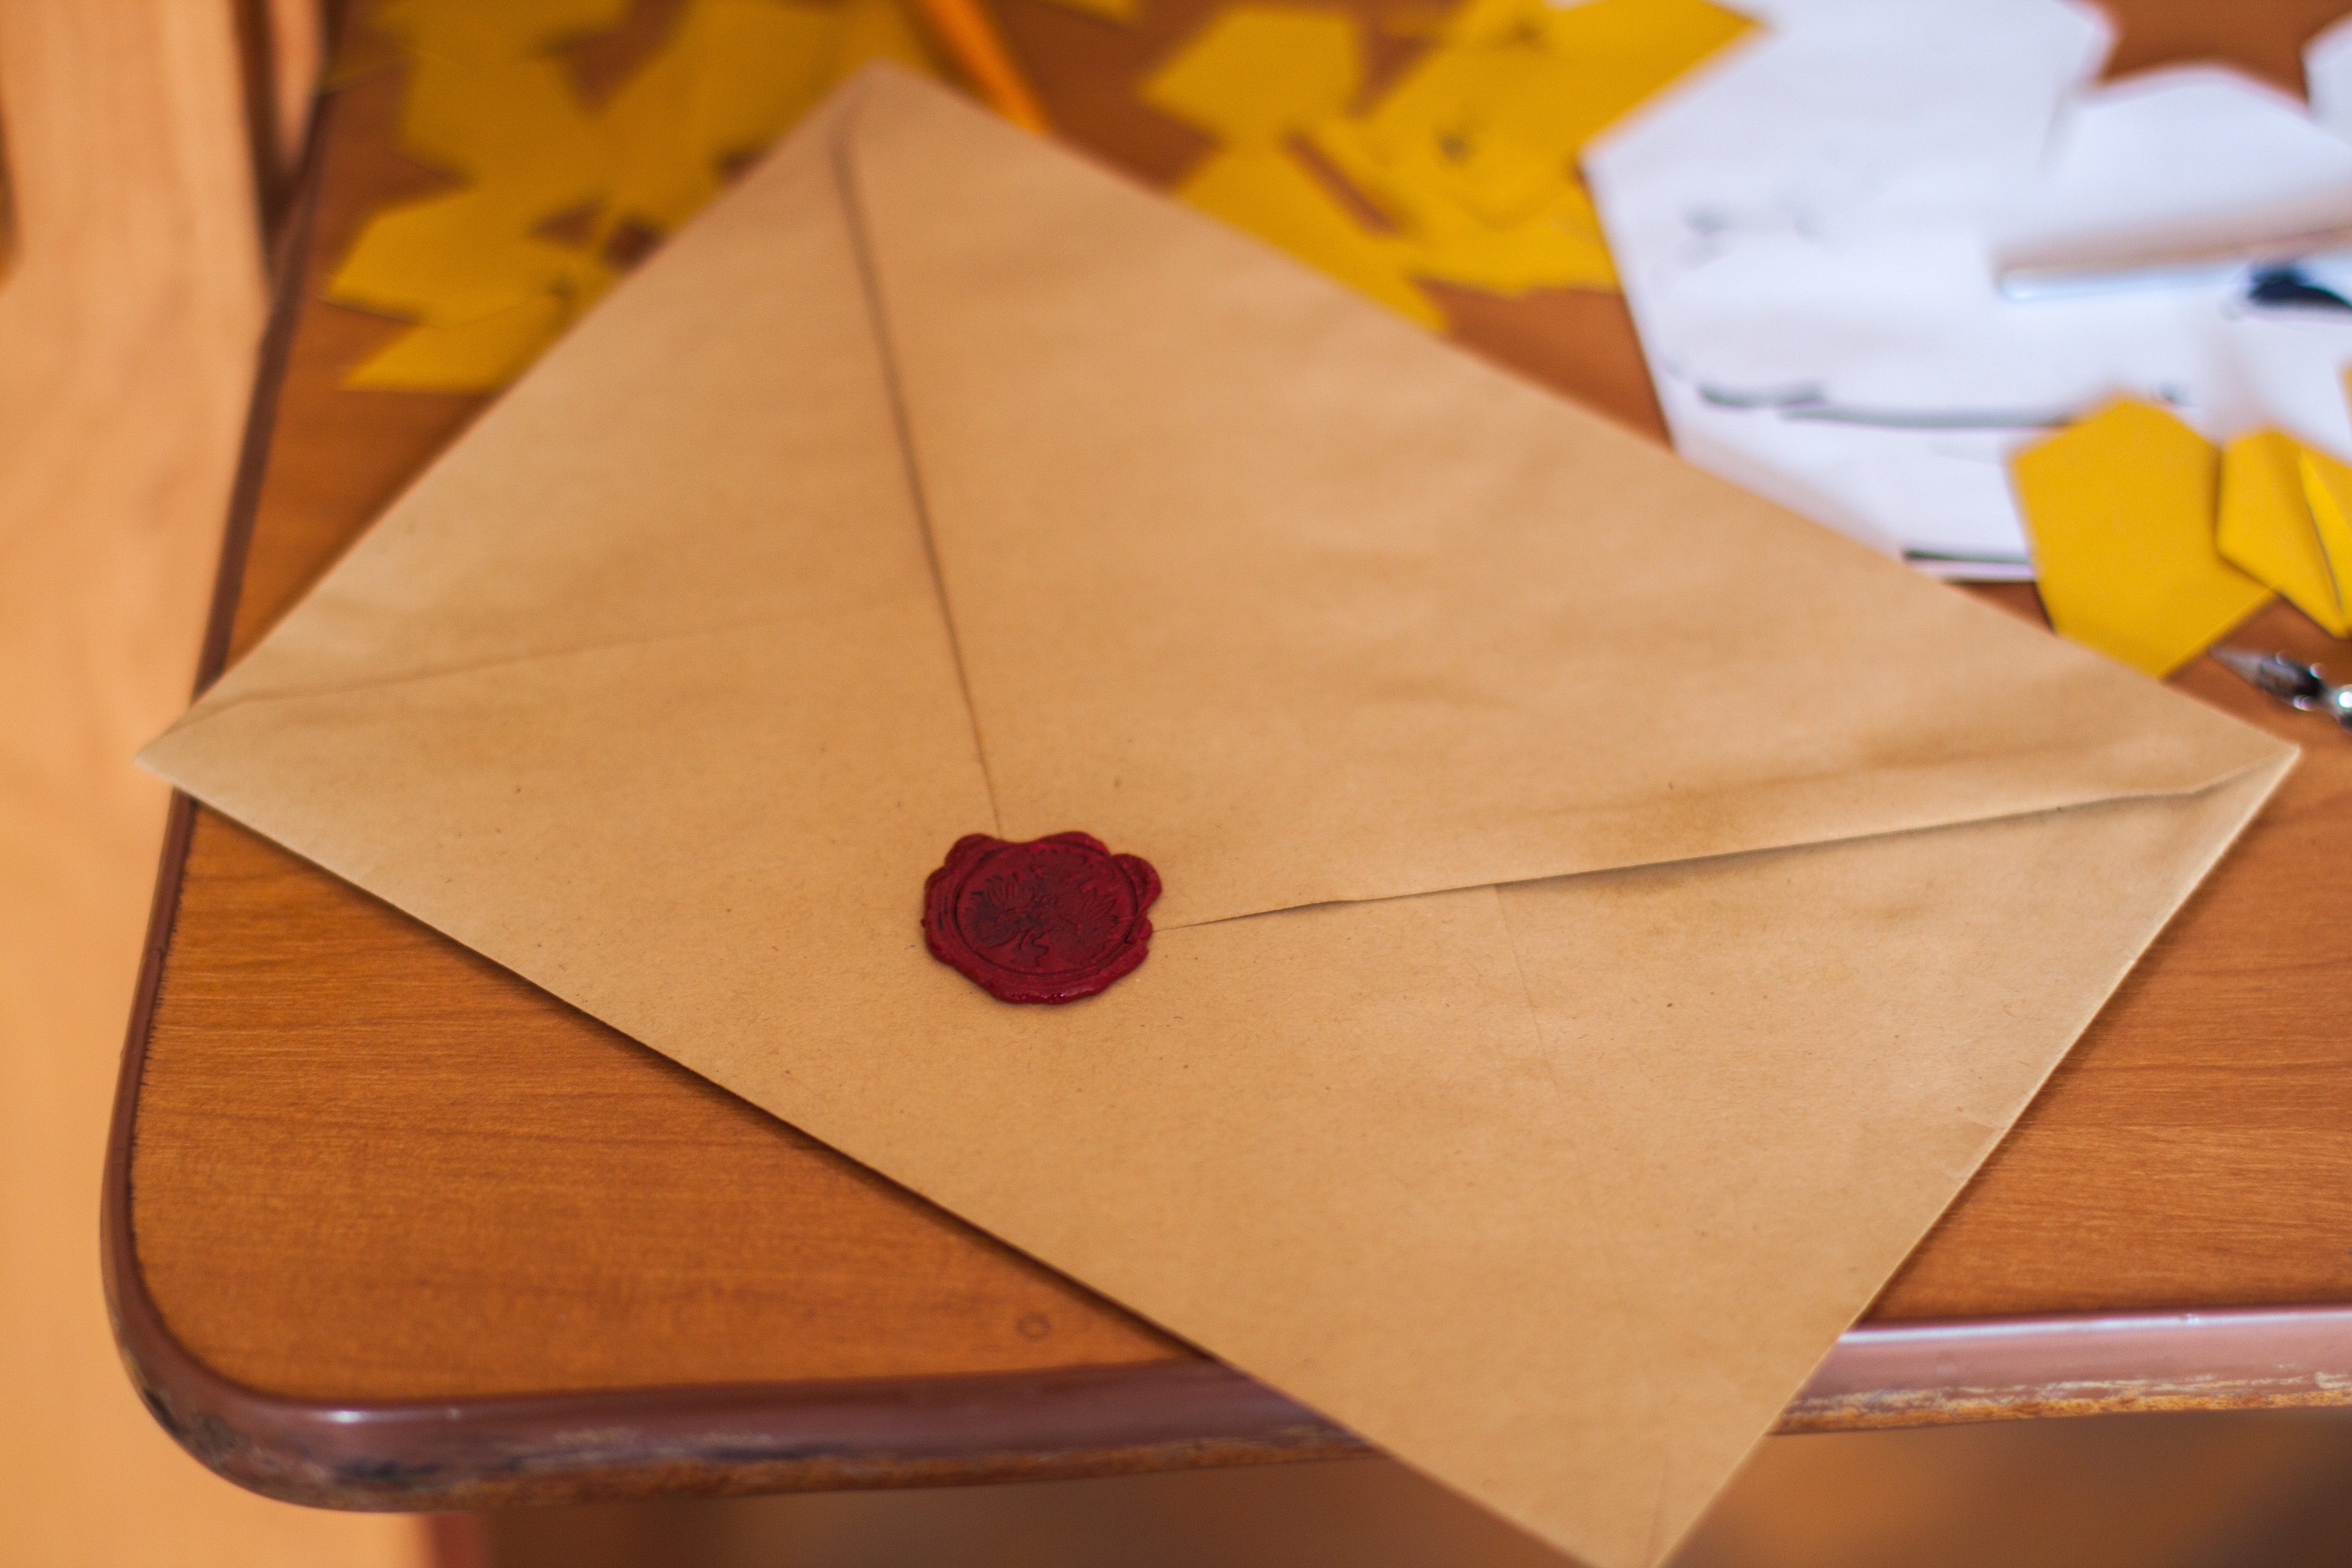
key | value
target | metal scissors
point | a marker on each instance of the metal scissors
(2295, 684)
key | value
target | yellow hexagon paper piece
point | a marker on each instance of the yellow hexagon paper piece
(1257, 73)
(2285, 521)
(1270, 193)
(1472, 154)
(1253, 78)
(558, 193)
(1470, 158)
(2121, 512)
(2327, 486)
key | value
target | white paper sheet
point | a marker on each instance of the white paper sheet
(1811, 236)
(2328, 78)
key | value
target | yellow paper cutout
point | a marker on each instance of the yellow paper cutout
(481, 271)
(2283, 522)
(1487, 127)
(2121, 509)
(1558, 244)
(2327, 486)
(1255, 77)
(1619, 53)
(1256, 73)
(1108, 10)
(485, 102)
(1471, 157)
(487, 352)
(1266, 192)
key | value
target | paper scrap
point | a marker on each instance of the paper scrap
(2286, 520)
(1474, 150)
(1470, 158)
(1253, 77)
(1256, 73)
(2121, 509)
(493, 271)
(1269, 193)
(476, 356)
(2264, 526)
(1827, 212)
(2327, 486)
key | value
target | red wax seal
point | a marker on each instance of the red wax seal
(1049, 921)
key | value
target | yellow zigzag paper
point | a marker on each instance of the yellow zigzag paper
(2283, 520)
(2121, 509)
(1470, 158)
(558, 195)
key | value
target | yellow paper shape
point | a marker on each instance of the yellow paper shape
(2284, 522)
(734, 74)
(1253, 77)
(1471, 158)
(1270, 193)
(1490, 121)
(866, 31)
(453, 260)
(1257, 73)
(488, 99)
(489, 351)
(488, 103)
(1618, 53)
(1558, 245)
(2121, 511)
(2327, 486)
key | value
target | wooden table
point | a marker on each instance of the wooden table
(387, 1227)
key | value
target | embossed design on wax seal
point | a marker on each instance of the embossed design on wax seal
(1050, 921)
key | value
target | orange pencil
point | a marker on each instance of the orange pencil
(963, 29)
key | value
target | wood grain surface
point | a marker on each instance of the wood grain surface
(369, 1164)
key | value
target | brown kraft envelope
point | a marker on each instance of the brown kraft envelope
(1607, 917)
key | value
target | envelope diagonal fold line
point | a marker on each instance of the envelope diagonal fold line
(246, 694)
(877, 312)
(1790, 1061)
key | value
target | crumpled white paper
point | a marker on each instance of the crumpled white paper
(1810, 234)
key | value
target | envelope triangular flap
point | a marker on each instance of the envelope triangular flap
(1254, 579)
(714, 449)
(660, 628)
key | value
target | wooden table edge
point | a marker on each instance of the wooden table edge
(438, 1456)
(431, 1455)
(722, 1438)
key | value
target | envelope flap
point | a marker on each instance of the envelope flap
(714, 451)
(1260, 582)
(675, 578)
